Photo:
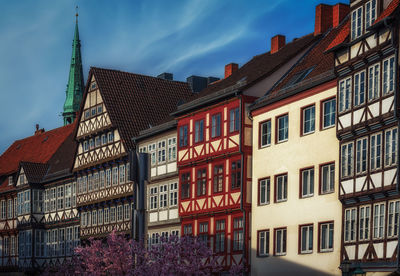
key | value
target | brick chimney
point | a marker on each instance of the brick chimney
(230, 68)
(339, 13)
(323, 18)
(277, 42)
(38, 131)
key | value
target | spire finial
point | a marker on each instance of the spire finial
(76, 15)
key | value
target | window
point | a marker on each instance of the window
(263, 243)
(280, 242)
(99, 109)
(391, 147)
(238, 234)
(344, 95)
(283, 128)
(90, 182)
(234, 120)
(110, 136)
(119, 213)
(218, 179)
(379, 220)
(373, 82)
(11, 180)
(10, 209)
(203, 232)
(376, 151)
(153, 198)
(173, 194)
(172, 149)
(161, 151)
(115, 176)
(98, 141)
(91, 143)
(108, 177)
(104, 139)
(100, 217)
(306, 239)
(94, 217)
(85, 146)
(307, 182)
(122, 174)
(364, 222)
(235, 174)
(93, 111)
(265, 133)
(112, 214)
(370, 13)
(143, 149)
(183, 136)
(152, 152)
(3, 209)
(264, 191)
(83, 219)
(361, 155)
(163, 196)
(185, 185)
(84, 183)
(187, 230)
(350, 225)
(106, 215)
(102, 179)
(199, 131)
(220, 236)
(347, 160)
(329, 112)
(356, 23)
(388, 76)
(127, 211)
(281, 188)
(68, 192)
(393, 218)
(87, 113)
(359, 88)
(308, 116)
(327, 178)
(216, 125)
(201, 181)
(326, 237)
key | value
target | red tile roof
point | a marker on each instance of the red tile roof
(34, 172)
(37, 148)
(341, 37)
(388, 11)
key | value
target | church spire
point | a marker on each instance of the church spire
(75, 84)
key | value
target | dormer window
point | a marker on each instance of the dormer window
(356, 23)
(10, 180)
(22, 179)
(370, 13)
(93, 85)
(362, 18)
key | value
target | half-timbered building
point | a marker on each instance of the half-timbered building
(366, 62)
(116, 106)
(215, 148)
(296, 214)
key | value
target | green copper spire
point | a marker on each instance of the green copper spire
(75, 84)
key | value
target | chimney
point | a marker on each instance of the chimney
(339, 13)
(230, 68)
(38, 131)
(323, 18)
(197, 83)
(277, 42)
(166, 76)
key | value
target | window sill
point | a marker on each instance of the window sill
(263, 256)
(305, 252)
(282, 141)
(308, 133)
(280, 254)
(265, 146)
(327, 127)
(326, 250)
(306, 196)
(263, 204)
(280, 200)
(327, 193)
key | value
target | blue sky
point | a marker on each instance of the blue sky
(142, 36)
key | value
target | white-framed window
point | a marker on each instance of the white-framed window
(15, 207)
(264, 191)
(307, 182)
(370, 13)
(326, 237)
(153, 198)
(94, 217)
(152, 152)
(122, 174)
(98, 141)
(373, 82)
(280, 241)
(3, 209)
(108, 177)
(216, 125)
(263, 243)
(110, 136)
(161, 151)
(359, 88)
(234, 119)
(357, 23)
(391, 147)
(364, 222)
(379, 220)
(91, 143)
(120, 215)
(83, 219)
(163, 195)
(60, 197)
(265, 133)
(104, 139)
(10, 180)
(112, 214)
(376, 151)
(84, 183)
(90, 182)
(199, 131)
(345, 94)
(61, 239)
(102, 179)
(327, 178)
(85, 146)
(329, 113)
(350, 225)
(393, 218)
(308, 115)
(9, 208)
(106, 215)
(283, 128)
(361, 155)
(347, 159)
(89, 219)
(172, 149)
(388, 75)
(281, 188)
(100, 216)
(306, 236)
(96, 180)
(143, 149)
(38, 200)
(13, 246)
(68, 193)
(127, 211)
(73, 194)
(173, 194)
(115, 176)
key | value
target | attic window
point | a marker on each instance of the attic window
(298, 77)
(10, 180)
(93, 85)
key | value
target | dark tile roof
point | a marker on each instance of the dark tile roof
(38, 148)
(34, 172)
(341, 37)
(317, 59)
(136, 102)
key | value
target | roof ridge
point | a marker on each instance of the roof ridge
(46, 132)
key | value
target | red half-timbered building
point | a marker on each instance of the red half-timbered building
(214, 151)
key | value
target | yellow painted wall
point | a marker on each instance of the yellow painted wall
(298, 152)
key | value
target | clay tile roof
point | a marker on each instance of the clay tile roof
(341, 37)
(388, 11)
(136, 102)
(37, 149)
(34, 172)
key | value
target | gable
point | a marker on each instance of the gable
(21, 177)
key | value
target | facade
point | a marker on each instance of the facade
(215, 152)
(296, 214)
(162, 218)
(115, 108)
(366, 62)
